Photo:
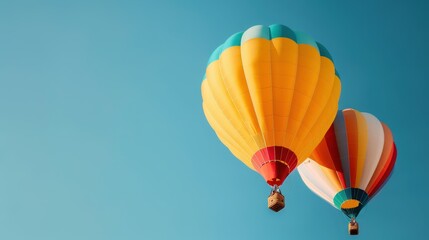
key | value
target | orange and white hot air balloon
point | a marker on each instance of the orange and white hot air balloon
(352, 163)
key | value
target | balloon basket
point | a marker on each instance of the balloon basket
(276, 201)
(353, 228)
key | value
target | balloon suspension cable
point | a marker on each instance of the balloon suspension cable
(347, 217)
(353, 220)
(275, 189)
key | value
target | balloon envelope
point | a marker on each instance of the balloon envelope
(270, 94)
(352, 162)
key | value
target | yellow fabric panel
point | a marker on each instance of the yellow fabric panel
(235, 82)
(316, 134)
(231, 134)
(284, 60)
(224, 137)
(322, 124)
(319, 99)
(362, 146)
(257, 67)
(306, 80)
(222, 130)
(221, 121)
(219, 95)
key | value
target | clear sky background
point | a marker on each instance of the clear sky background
(102, 133)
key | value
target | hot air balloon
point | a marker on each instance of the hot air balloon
(270, 94)
(351, 164)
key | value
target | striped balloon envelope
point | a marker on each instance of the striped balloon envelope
(270, 94)
(352, 162)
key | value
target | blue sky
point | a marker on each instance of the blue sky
(102, 134)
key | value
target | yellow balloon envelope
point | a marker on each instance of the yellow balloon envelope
(270, 94)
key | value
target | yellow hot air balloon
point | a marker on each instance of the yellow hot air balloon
(270, 94)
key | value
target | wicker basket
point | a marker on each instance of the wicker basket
(276, 201)
(353, 228)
